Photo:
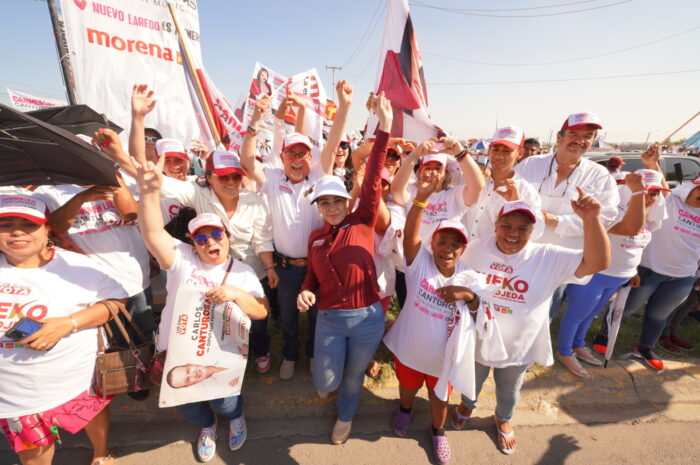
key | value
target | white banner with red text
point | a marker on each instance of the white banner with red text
(26, 102)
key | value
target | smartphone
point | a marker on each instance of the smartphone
(25, 327)
(438, 147)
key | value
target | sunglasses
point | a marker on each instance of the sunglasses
(152, 140)
(201, 239)
(393, 155)
(344, 145)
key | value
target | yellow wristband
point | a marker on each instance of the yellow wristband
(419, 203)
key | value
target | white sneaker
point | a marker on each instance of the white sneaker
(206, 445)
(287, 369)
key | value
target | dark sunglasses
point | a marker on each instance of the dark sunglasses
(152, 140)
(344, 145)
(393, 155)
(201, 239)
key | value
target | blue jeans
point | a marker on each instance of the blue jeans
(202, 413)
(584, 304)
(557, 299)
(661, 294)
(508, 381)
(259, 336)
(346, 341)
(291, 279)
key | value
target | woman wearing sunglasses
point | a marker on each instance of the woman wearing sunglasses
(207, 265)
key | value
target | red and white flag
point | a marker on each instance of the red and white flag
(400, 77)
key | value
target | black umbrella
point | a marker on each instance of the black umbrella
(34, 152)
(76, 119)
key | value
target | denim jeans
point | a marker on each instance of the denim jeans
(584, 304)
(259, 336)
(346, 341)
(557, 299)
(202, 413)
(681, 312)
(508, 382)
(291, 279)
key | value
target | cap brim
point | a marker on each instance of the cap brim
(450, 228)
(180, 155)
(33, 219)
(217, 226)
(521, 210)
(658, 188)
(506, 143)
(583, 125)
(227, 171)
(334, 193)
(303, 144)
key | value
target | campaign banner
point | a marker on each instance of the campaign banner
(308, 86)
(26, 102)
(114, 44)
(207, 350)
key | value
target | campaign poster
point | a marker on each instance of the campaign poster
(114, 44)
(207, 350)
(308, 86)
(26, 102)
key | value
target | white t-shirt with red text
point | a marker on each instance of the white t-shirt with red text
(187, 268)
(445, 205)
(521, 298)
(419, 335)
(34, 381)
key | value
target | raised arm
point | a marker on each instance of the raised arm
(62, 218)
(473, 179)
(650, 159)
(158, 241)
(403, 174)
(253, 169)
(411, 236)
(344, 90)
(596, 246)
(633, 221)
(108, 142)
(142, 103)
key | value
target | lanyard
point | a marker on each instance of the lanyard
(549, 175)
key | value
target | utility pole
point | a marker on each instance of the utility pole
(333, 70)
(63, 56)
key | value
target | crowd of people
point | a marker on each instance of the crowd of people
(481, 252)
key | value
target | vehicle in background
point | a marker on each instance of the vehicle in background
(674, 167)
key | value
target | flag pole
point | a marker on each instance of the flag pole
(63, 55)
(198, 84)
(668, 139)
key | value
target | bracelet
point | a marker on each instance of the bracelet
(74, 323)
(474, 299)
(252, 131)
(269, 266)
(419, 203)
(460, 156)
(637, 193)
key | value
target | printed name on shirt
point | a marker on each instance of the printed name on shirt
(512, 289)
(7, 288)
(285, 189)
(686, 218)
(440, 309)
(197, 278)
(317, 243)
(10, 312)
(501, 267)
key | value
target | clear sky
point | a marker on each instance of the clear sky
(467, 97)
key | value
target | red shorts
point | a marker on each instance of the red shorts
(412, 379)
(34, 430)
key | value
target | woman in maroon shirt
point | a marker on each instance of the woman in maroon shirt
(341, 270)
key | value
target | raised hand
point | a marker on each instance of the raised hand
(149, 175)
(142, 101)
(261, 106)
(108, 142)
(344, 91)
(424, 147)
(424, 189)
(650, 157)
(508, 189)
(586, 207)
(634, 181)
(382, 108)
(452, 146)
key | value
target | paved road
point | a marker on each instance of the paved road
(655, 440)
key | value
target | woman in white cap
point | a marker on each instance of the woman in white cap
(56, 295)
(447, 203)
(418, 337)
(217, 274)
(524, 275)
(341, 270)
(641, 212)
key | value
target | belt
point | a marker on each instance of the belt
(285, 262)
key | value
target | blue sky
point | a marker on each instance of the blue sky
(466, 99)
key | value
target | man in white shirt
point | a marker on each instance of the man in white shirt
(556, 177)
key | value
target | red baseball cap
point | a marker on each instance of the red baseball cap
(23, 206)
(614, 162)
(222, 163)
(518, 206)
(453, 225)
(290, 140)
(204, 220)
(579, 120)
(510, 136)
(171, 148)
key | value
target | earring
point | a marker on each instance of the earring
(50, 244)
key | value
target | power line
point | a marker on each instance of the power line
(371, 25)
(374, 57)
(467, 13)
(520, 9)
(536, 81)
(571, 60)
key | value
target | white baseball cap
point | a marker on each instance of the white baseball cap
(652, 180)
(295, 138)
(171, 148)
(329, 185)
(223, 162)
(204, 220)
(23, 206)
(579, 120)
(438, 157)
(453, 225)
(510, 136)
(518, 206)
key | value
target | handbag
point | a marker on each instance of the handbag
(119, 369)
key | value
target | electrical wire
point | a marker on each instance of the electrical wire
(537, 81)
(371, 25)
(571, 60)
(519, 9)
(541, 15)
